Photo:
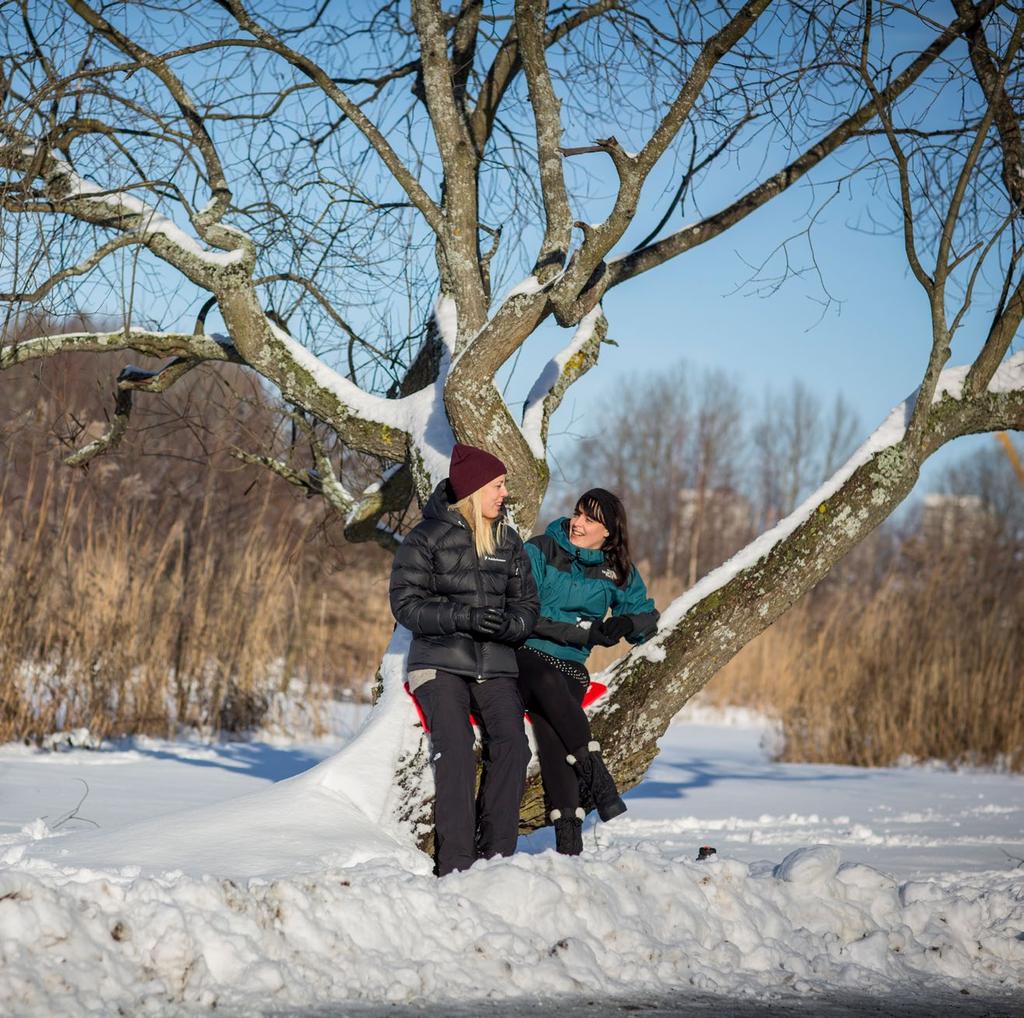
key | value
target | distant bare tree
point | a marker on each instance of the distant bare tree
(795, 447)
(988, 474)
(698, 477)
(643, 450)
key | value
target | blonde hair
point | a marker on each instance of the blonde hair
(485, 535)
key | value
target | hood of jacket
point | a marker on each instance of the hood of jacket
(439, 507)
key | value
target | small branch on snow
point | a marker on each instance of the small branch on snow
(72, 814)
(1016, 858)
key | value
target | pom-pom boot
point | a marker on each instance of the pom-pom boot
(594, 775)
(568, 824)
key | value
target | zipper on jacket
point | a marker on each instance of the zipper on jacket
(480, 600)
(479, 595)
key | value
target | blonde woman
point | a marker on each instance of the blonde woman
(462, 584)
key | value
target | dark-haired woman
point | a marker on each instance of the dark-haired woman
(582, 568)
(462, 584)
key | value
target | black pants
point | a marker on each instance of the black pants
(462, 834)
(554, 700)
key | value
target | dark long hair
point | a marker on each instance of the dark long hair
(608, 510)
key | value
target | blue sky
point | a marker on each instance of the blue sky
(871, 344)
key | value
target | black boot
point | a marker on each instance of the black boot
(568, 830)
(594, 775)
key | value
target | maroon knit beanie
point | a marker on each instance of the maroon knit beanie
(472, 468)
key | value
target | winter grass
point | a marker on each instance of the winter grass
(130, 604)
(132, 634)
(115, 625)
(926, 663)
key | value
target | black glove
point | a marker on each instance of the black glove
(512, 630)
(597, 637)
(617, 627)
(479, 621)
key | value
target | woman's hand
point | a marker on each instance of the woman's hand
(479, 621)
(617, 627)
(610, 631)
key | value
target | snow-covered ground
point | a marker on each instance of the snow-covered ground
(828, 881)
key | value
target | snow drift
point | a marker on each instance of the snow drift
(625, 920)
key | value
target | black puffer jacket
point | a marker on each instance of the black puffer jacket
(436, 570)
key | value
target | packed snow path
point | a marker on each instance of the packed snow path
(829, 880)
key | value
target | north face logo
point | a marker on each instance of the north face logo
(491, 558)
(610, 573)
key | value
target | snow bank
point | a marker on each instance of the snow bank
(314, 901)
(291, 827)
(342, 810)
(625, 920)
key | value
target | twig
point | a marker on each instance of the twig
(72, 814)
(1016, 858)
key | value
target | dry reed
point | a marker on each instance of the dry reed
(166, 586)
(159, 592)
(111, 626)
(926, 666)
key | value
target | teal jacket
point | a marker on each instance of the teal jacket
(576, 585)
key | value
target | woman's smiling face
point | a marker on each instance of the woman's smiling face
(492, 498)
(586, 532)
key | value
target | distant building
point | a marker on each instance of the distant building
(725, 510)
(707, 531)
(953, 519)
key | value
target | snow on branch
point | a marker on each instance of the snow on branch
(1009, 378)
(187, 351)
(123, 204)
(65, 191)
(144, 341)
(391, 493)
(412, 419)
(559, 373)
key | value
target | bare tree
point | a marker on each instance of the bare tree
(643, 450)
(796, 447)
(287, 175)
(696, 473)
